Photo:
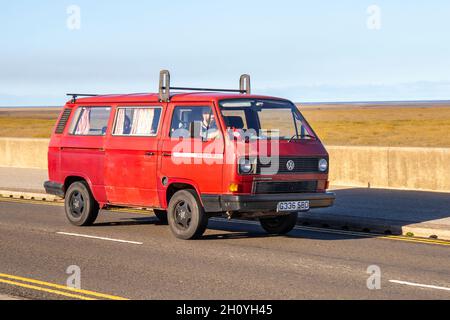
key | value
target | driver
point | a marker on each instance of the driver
(209, 128)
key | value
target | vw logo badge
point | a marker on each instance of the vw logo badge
(290, 165)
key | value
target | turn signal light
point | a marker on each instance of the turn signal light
(234, 187)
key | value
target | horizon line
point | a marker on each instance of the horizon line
(299, 102)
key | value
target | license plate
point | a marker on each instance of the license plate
(292, 206)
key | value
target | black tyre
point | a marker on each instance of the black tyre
(279, 225)
(187, 219)
(161, 215)
(80, 206)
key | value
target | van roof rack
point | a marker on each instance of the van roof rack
(76, 95)
(164, 86)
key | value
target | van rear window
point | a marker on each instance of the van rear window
(90, 121)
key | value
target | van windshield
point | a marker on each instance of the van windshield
(266, 119)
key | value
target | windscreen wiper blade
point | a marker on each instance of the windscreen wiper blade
(301, 137)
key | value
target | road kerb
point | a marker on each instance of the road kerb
(20, 195)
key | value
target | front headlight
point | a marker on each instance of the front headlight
(245, 166)
(323, 165)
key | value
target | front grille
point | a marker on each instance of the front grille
(285, 187)
(301, 165)
(63, 121)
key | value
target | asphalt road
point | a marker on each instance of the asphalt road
(235, 260)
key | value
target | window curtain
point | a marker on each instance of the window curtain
(142, 122)
(84, 126)
(120, 122)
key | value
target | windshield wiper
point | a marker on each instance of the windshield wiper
(301, 137)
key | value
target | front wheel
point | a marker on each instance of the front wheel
(187, 219)
(279, 225)
(80, 206)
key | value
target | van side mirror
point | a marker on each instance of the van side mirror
(195, 129)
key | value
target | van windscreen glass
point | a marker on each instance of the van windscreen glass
(266, 119)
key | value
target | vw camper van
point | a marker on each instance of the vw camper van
(189, 154)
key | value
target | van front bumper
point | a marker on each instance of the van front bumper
(263, 202)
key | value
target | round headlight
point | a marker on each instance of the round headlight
(245, 166)
(323, 165)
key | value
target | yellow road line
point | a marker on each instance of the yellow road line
(61, 204)
(57, 292)
(57, 286)
(137, 211)
(377, 236)
(428, 241)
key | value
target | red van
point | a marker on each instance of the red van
(188, 156)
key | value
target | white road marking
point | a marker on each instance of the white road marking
(234, 221)
(419, 285)
(98, 238)
(342, 232)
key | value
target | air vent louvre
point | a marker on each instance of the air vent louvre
(63, 121)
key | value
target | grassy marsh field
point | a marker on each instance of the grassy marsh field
(386, 126)
(404, 125)
(27, 123)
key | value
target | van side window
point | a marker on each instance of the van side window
(199, 119)
(137, 121)
(90, 121)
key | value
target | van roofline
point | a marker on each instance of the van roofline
(175, 97)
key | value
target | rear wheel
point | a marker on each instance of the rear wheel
(80, 206)
(161, 215)
(186, 216)
(279, 225)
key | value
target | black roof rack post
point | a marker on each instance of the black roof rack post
(76, 95)
(244, 84)
(164, 86)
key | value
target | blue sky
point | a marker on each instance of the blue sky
(302, 50)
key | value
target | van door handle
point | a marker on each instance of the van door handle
(149, 154)
(166, 154)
